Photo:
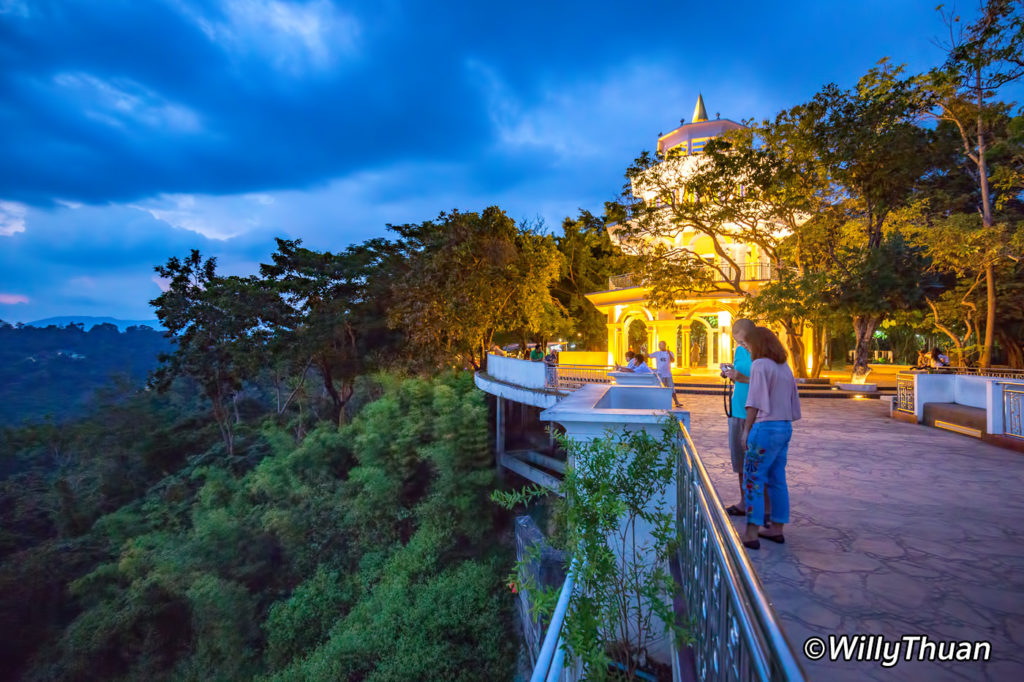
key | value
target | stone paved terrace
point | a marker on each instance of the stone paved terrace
(895, 529)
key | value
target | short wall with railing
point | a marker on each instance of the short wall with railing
(737, 634)
(518, 372)
(1002, 399)
(748, 272)
(572, 377)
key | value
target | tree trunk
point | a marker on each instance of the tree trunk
(864, 327)
(986, 219)
(795, 342)
(1014, 350)
(990, 316)
(337, 404)
(818, 341)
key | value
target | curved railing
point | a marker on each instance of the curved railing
(737, 632)
(551, 658)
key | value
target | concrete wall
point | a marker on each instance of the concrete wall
(519, 372)
(527, 396)
(582, 357)
(594, 410)
(982, 392)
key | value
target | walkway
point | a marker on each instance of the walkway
(896, 529)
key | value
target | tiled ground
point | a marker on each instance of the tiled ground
(896, 529)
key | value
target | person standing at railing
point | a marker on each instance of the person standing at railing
(664, 358)
(551, 367)
(536, 355)
(739, 372)
(773, 404)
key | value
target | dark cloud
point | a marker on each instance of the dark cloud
(119, 100)
(164, 117)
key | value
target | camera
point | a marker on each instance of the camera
(725, 367)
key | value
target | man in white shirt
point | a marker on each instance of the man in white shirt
(664, 358)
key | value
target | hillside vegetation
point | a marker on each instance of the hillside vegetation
(367, 552)
(300, 491)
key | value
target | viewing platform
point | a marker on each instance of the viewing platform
(898, 529)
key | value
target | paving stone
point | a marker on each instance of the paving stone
(896, 529)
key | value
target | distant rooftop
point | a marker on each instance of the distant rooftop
(694, 135)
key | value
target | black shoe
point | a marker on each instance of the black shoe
(752, 544)
(774, 538)
(735, 511)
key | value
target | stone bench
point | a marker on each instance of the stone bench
(965, 419)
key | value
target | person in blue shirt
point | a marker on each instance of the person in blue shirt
(641, 365)
(740, 374)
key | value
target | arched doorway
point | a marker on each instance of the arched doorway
(704, 341)
(636, 335)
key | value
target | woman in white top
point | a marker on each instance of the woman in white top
(773, 404)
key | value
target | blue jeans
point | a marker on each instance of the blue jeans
(764, 470)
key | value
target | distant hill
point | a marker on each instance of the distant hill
(56, 369)
(88, 321)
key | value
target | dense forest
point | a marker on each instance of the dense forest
(368, 552)
(301, 489)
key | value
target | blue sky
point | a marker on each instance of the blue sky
(134, 130)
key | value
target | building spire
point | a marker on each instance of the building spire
(699, 112)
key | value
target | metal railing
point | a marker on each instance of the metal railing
(551, 658)
(1002, 372)
(905, 393)
(737, 632)
(1013, 411)
(749, 272)
(571, 377)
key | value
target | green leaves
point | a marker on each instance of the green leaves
(618, 530)
(471, 276)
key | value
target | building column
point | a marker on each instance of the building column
(808, 339)
(684, 355)
(614, 342)
(726, 345)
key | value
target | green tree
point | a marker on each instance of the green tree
(471, 276)
(332, 315)
(983, 58)
(217, 323)
(873, 155)
(589, 260)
